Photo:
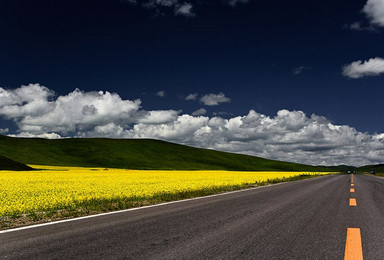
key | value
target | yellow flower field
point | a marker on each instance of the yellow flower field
(70, 187)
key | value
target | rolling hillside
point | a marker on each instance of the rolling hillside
(378, 168)
(343, 168)
(11, 165)
(135, 154)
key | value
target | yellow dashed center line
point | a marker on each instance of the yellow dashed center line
(353, 248)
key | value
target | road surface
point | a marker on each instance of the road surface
(306, 219)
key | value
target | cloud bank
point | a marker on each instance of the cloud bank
(289, 135)
(359, 69)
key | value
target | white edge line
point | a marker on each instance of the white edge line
(139, 208)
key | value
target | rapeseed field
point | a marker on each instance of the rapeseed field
(96, 190)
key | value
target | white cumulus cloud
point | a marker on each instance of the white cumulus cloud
(180, 130)
(158, 116)
(359, 69)
(31, 109)
(374, 9)
(214, 99)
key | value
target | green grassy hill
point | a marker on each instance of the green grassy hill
(11, 165)
(343, 168)
(135, 154)
(378, 168)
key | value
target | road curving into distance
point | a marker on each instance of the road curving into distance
(308, 219)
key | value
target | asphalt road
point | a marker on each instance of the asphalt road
(306, 219)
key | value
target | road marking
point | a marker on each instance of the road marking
(352, 202)
(352, 190)
(353, 248)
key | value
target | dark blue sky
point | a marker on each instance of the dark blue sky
(248, 52)
(263, 55)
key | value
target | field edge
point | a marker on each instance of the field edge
(110, 205)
